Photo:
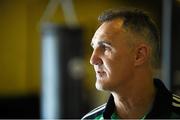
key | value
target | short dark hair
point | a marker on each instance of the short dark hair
(139, 22)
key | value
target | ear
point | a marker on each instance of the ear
(142, 53)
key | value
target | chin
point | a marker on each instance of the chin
(100, 86)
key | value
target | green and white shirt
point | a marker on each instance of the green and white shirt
(166, 106)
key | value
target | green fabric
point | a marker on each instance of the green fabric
(143, 117)
(100, 117)
(174, 115)
(114, 116)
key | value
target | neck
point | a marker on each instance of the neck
(135, 100)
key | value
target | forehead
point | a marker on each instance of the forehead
(110, 30)
(110, 27)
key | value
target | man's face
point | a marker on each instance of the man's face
(112, 58)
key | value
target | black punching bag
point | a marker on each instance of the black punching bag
(62, 72)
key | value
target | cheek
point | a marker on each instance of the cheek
(119, 63)
(121, 67)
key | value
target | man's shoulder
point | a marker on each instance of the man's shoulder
(98, 111)
(176, 104)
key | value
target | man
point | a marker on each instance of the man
(125, 56)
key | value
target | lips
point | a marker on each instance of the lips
(100, 71)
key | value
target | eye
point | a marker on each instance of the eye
(105, 47)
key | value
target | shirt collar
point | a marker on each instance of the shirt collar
(161, 107)
(162, 103)
(110, 108)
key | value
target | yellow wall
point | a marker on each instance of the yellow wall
(20, 46)
(13, 47)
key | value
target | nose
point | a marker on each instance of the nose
(95, 58)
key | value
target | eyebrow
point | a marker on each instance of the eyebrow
(101, 42)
